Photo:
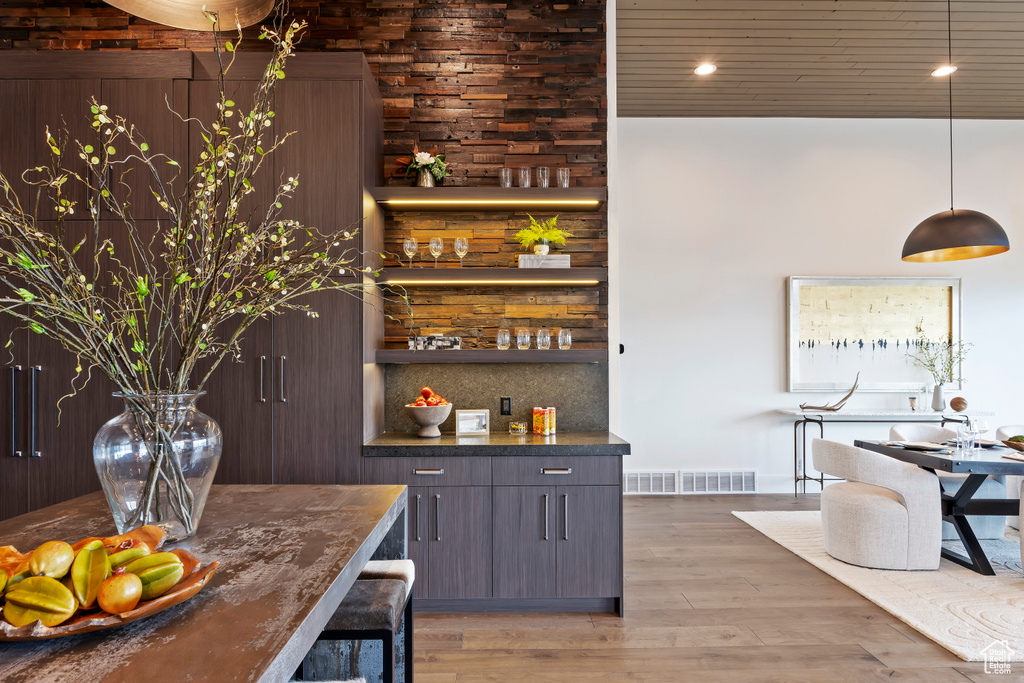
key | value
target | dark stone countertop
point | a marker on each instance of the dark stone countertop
(391, 444)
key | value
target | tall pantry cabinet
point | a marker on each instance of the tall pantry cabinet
(293, 409)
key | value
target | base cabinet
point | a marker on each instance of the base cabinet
(459, 544)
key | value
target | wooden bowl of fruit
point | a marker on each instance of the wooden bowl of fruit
(429, 411)
(1015, 442)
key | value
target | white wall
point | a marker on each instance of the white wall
(714, 214)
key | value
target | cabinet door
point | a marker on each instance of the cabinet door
(524, 541)
(419, 504)
(588, 541)
(459, 544)
(318, 413)
(239, 396)
(14, 470)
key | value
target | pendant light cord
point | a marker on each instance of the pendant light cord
(949, 54)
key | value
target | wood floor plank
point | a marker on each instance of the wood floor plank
(622, 638)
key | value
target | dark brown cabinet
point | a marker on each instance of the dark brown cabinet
(588, 553)
(525, 536)
(459, 543)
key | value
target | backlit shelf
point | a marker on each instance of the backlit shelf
(493, 356)
(493, 277)
(532, 199)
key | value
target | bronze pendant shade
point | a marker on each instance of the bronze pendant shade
(955, 235)
(188, 14)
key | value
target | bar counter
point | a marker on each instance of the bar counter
(408, 444)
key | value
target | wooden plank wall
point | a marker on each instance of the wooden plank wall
(519, 83)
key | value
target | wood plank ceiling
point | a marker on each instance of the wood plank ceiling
(819, 58)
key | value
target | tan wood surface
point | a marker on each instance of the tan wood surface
(708, 599)
(288, 555)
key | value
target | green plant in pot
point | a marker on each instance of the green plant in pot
(542, 235)
(156, 306)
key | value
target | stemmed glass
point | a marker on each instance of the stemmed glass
(979, 427)
(436, 247)
(411, 247)
(461, 248)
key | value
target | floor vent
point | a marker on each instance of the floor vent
(650, 482)
(735, 481)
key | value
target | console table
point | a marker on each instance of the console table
(820, 417)
(288, 555)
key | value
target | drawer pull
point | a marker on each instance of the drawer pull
(556, 470)
(432, 473)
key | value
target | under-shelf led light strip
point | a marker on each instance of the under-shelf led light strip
(499, 202)
(421, 283)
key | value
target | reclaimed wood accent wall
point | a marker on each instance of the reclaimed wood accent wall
(519, 83)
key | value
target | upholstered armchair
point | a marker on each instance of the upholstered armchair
(886, 515)
(984, 526)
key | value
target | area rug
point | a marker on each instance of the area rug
(973, 616)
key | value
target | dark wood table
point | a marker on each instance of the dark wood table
(956, 506)
(288, 555)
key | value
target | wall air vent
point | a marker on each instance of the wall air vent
(733, 481)
(650, 482)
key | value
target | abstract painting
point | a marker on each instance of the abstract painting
(839, 326)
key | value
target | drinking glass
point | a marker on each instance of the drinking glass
(410, 248)
(505, 177)
(524, 176)
(965, 436)
(522, 338)
(504, 340)
(543, 175)
(564, 339)
(461, 248)
(563, 177)
(544, 339)
(436, 247)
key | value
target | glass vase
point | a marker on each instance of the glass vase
(156, 462)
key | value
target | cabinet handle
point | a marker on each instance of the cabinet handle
(33, 408)
(263, 396)
(556, 470)
(437, 515)
(565, 499)
(545, 516)
(418, 517)
(283, 399)
(15, 453)
(432, 473)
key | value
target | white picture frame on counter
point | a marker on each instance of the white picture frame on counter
(472, 422)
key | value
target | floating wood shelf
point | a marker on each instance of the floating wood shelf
(497, 277)
(491, 198)
(492, 356)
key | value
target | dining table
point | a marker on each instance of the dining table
(287, 557)
(976, 464)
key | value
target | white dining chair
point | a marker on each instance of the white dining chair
(1013, 483)
(886, 515)
(984, 526)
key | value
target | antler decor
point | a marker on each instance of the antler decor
(839, 404)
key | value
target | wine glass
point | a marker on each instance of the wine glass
(411, 247)
(544, 339)
(461, 248)
(979, 426)
(522, 338)
(503, 339)
(436, 247)
(565, 338)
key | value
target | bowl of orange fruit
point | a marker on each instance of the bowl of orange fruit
(429, 410)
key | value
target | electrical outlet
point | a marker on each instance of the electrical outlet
(506, 405)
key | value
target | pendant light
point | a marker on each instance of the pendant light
(188, 14)
(956, 234)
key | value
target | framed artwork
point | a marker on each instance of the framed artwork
(839, 326)
(472, 422)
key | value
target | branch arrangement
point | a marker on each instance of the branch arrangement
(943, 359)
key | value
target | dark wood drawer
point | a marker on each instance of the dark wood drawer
(572, 470)
(469, 471)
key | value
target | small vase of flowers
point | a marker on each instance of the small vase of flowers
(541, 235)
(430, 168)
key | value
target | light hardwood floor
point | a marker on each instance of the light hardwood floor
(707, 599)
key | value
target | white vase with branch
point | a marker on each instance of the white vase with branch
(942, 359)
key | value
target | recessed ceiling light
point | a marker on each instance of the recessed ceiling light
(944, 71)
(705, 69)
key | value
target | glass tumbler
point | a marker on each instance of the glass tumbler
(524, 176)
(564, 339)
(965, 437)
(563, 177)
(544, 339)
(504, 339)
(505, 177)
(522, 338)
(543, 176)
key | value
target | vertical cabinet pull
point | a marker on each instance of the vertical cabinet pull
(33, 407)
(263, 395)
(15, 453)
(565, 499)
(545, 516)
(437, 516)
(283, 399)
(418, 517)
